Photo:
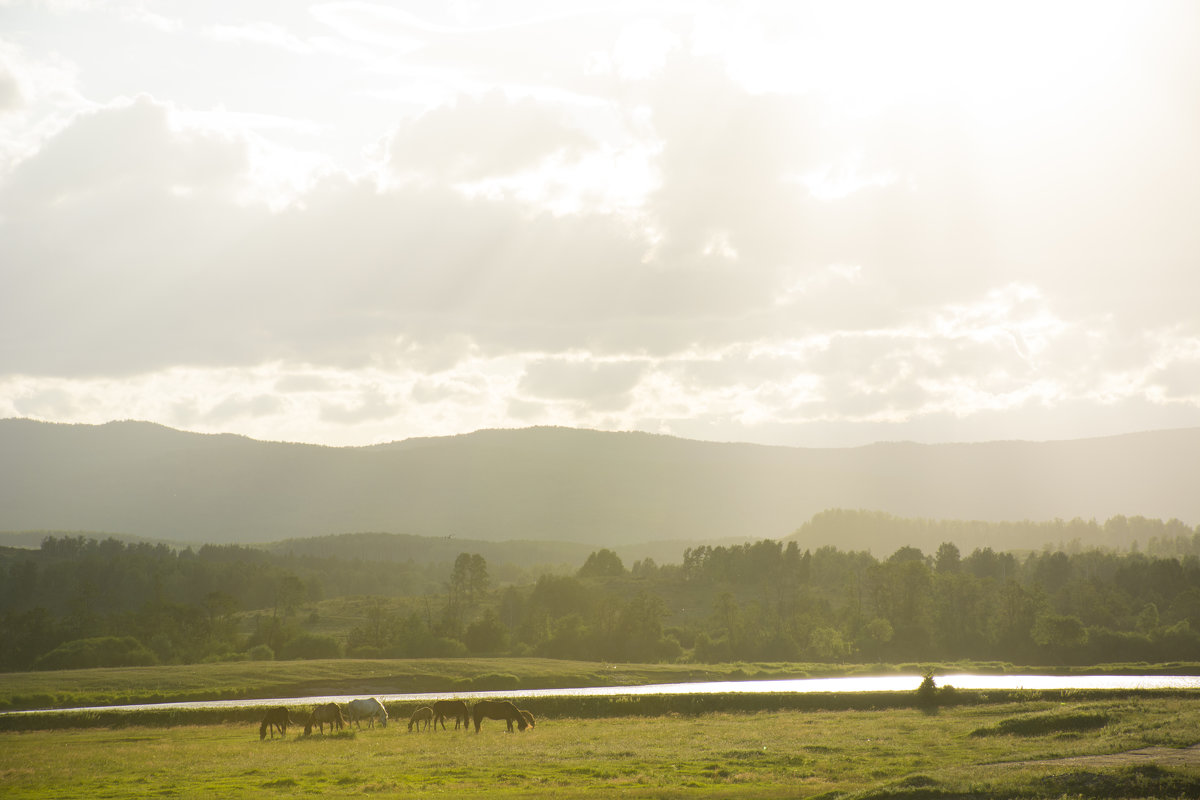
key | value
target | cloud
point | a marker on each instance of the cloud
(372, 404)
(11, 98)
(478, 138)
(128, 148)
(773, 262)
(261, 32)
(372, 23)
(603, 386)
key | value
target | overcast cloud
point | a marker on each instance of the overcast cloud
(816, 224)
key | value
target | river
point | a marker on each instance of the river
(885, 683)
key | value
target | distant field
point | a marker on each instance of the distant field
(254, 679)
(259, 679)
(898, 753)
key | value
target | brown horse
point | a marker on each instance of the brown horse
(528, 718)
(422, 714)
(498, 709)
(451, 708)
(275, 718)
(325, 714)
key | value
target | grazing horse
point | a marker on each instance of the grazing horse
(321, 715)
(367, 708)
(498, 709)
(451, 708)
(275, 718)
(528, 718)
(422, 714)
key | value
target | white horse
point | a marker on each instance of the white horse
(367, 708)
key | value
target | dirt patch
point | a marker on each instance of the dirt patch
(1160, 756)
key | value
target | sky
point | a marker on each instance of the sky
(817, 224)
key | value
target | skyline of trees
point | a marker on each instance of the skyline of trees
(757, 601)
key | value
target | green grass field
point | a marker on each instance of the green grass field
(897, 753)
(240, 680)
(855, 745)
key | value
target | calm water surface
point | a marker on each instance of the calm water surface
(886, 683)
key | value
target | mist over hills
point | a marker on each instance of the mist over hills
(560, 485)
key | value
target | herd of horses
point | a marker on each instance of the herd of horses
(371, 710)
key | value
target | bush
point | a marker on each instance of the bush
(99, 651)
(927, 696)
(310, 645)
(260, 652)
(364, 651)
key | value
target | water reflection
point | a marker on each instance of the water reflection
(883, 683)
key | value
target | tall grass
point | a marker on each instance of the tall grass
(882, 753)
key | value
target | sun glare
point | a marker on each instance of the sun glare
(995, 60)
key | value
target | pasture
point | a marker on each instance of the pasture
(899, 752)
(241, 680)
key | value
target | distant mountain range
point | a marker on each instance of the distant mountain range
(560, 485)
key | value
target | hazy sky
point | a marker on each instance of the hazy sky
(817, 224)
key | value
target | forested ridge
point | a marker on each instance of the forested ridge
(78, 601)
(560, 484)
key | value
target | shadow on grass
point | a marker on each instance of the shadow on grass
(1044, 724)
(1146, 780)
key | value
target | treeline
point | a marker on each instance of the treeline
(1048, 607)
(81, 602)
(176, 605)
(880, 533)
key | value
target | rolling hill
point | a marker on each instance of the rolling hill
(556, 484)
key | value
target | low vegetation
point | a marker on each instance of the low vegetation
(243, 680)
(900, 752)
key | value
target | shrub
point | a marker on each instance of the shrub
(99, 651)
(260, 652)
(364, 651)
(310, 645)
(927, 697)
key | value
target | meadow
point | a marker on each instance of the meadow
(241, 680)
(966, 750)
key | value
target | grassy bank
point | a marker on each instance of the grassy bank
(615, 707)
(263, 679)
(965, 750)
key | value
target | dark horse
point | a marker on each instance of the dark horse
(498, 709)
(451, 708)
(275, 718)
(325, 714)
(422, 714)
